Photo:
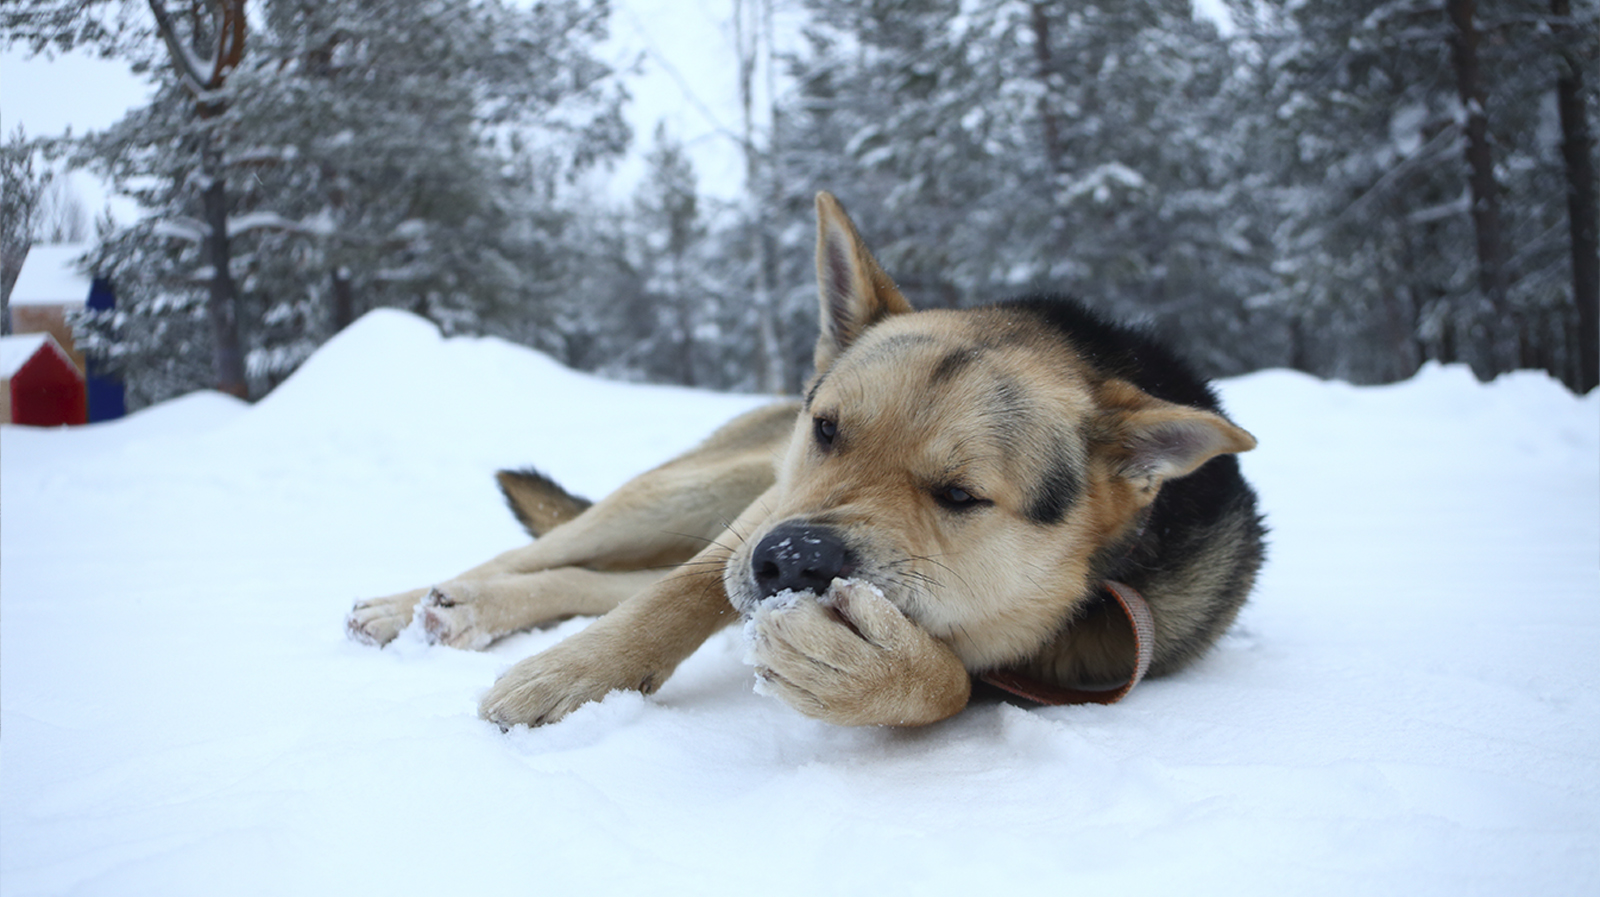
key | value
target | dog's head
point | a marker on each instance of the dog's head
(973, 465)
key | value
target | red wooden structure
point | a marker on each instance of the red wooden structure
(39, 384)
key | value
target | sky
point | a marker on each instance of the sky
(680, 55)
(46, 96)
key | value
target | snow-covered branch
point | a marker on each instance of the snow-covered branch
(250, 221)
(199, 75)
(187, 229)
(189, 66)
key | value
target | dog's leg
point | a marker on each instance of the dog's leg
(636, 646)
(659, 518)
(472, 613)
(666, 515)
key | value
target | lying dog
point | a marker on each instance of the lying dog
(947, 501)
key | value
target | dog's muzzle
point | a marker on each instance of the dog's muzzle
(799, 557)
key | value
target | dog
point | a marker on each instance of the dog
(946, 501)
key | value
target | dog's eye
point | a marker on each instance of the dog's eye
(825, 431)
(955, 498)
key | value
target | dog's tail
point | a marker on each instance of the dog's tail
(538, 503)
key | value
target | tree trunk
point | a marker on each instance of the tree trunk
(227, 22)
(677, 258)
(1582, 211)
(1039, 23)
(227, 361)
(1481, 181)
(748, 37)
(344, 299)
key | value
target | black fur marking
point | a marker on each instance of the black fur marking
(1190, 518)
(954, 363)
(1056, 492)
(1118, 350)
(811, 394)
(1009, 408)
(1208, 516)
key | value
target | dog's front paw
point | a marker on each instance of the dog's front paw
(555, 682)
(448, 616)
(377, 621)
(852, 658)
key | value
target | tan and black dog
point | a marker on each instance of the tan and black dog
(945, 502)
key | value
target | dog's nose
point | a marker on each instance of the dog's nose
(798, 557)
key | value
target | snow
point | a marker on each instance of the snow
(49, 276)
(249, 221)
(1407, 705)
(187, 229)
(16, 350)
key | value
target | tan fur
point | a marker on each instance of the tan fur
(1009, 585)
(658, 520)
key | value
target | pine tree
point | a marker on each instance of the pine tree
(1033, 146)
(22, 188)
(358, 154)
(1578, 42)
(667, 210)
(1422, 220)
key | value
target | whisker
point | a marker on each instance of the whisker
(692, 536)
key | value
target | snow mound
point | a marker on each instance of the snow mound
(390, 380)
(1405, 706)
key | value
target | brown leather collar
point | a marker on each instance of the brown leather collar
(1144, 640)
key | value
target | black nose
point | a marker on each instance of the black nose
(798, 557)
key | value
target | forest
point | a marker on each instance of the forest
(1347, 189)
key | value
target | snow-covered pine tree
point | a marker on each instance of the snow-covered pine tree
(417, 152)
(667, 214)
(1043, 145)
(22, 187)
(1577, 46)
(376, 154)
(1526, 51)
(1382, 264)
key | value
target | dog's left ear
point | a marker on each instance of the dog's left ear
(853, 290)
(1153, 441)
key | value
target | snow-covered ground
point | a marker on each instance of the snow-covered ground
(1408, 705)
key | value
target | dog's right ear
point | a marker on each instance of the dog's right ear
(853, 290)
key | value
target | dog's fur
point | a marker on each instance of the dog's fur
(943, 502)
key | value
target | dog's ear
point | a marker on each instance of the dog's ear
(1152, 441)
(853, 290)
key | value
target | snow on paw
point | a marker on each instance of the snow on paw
(377, 621)
(852, 658)
(447, 617)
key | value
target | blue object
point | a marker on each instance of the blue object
(107, 398)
